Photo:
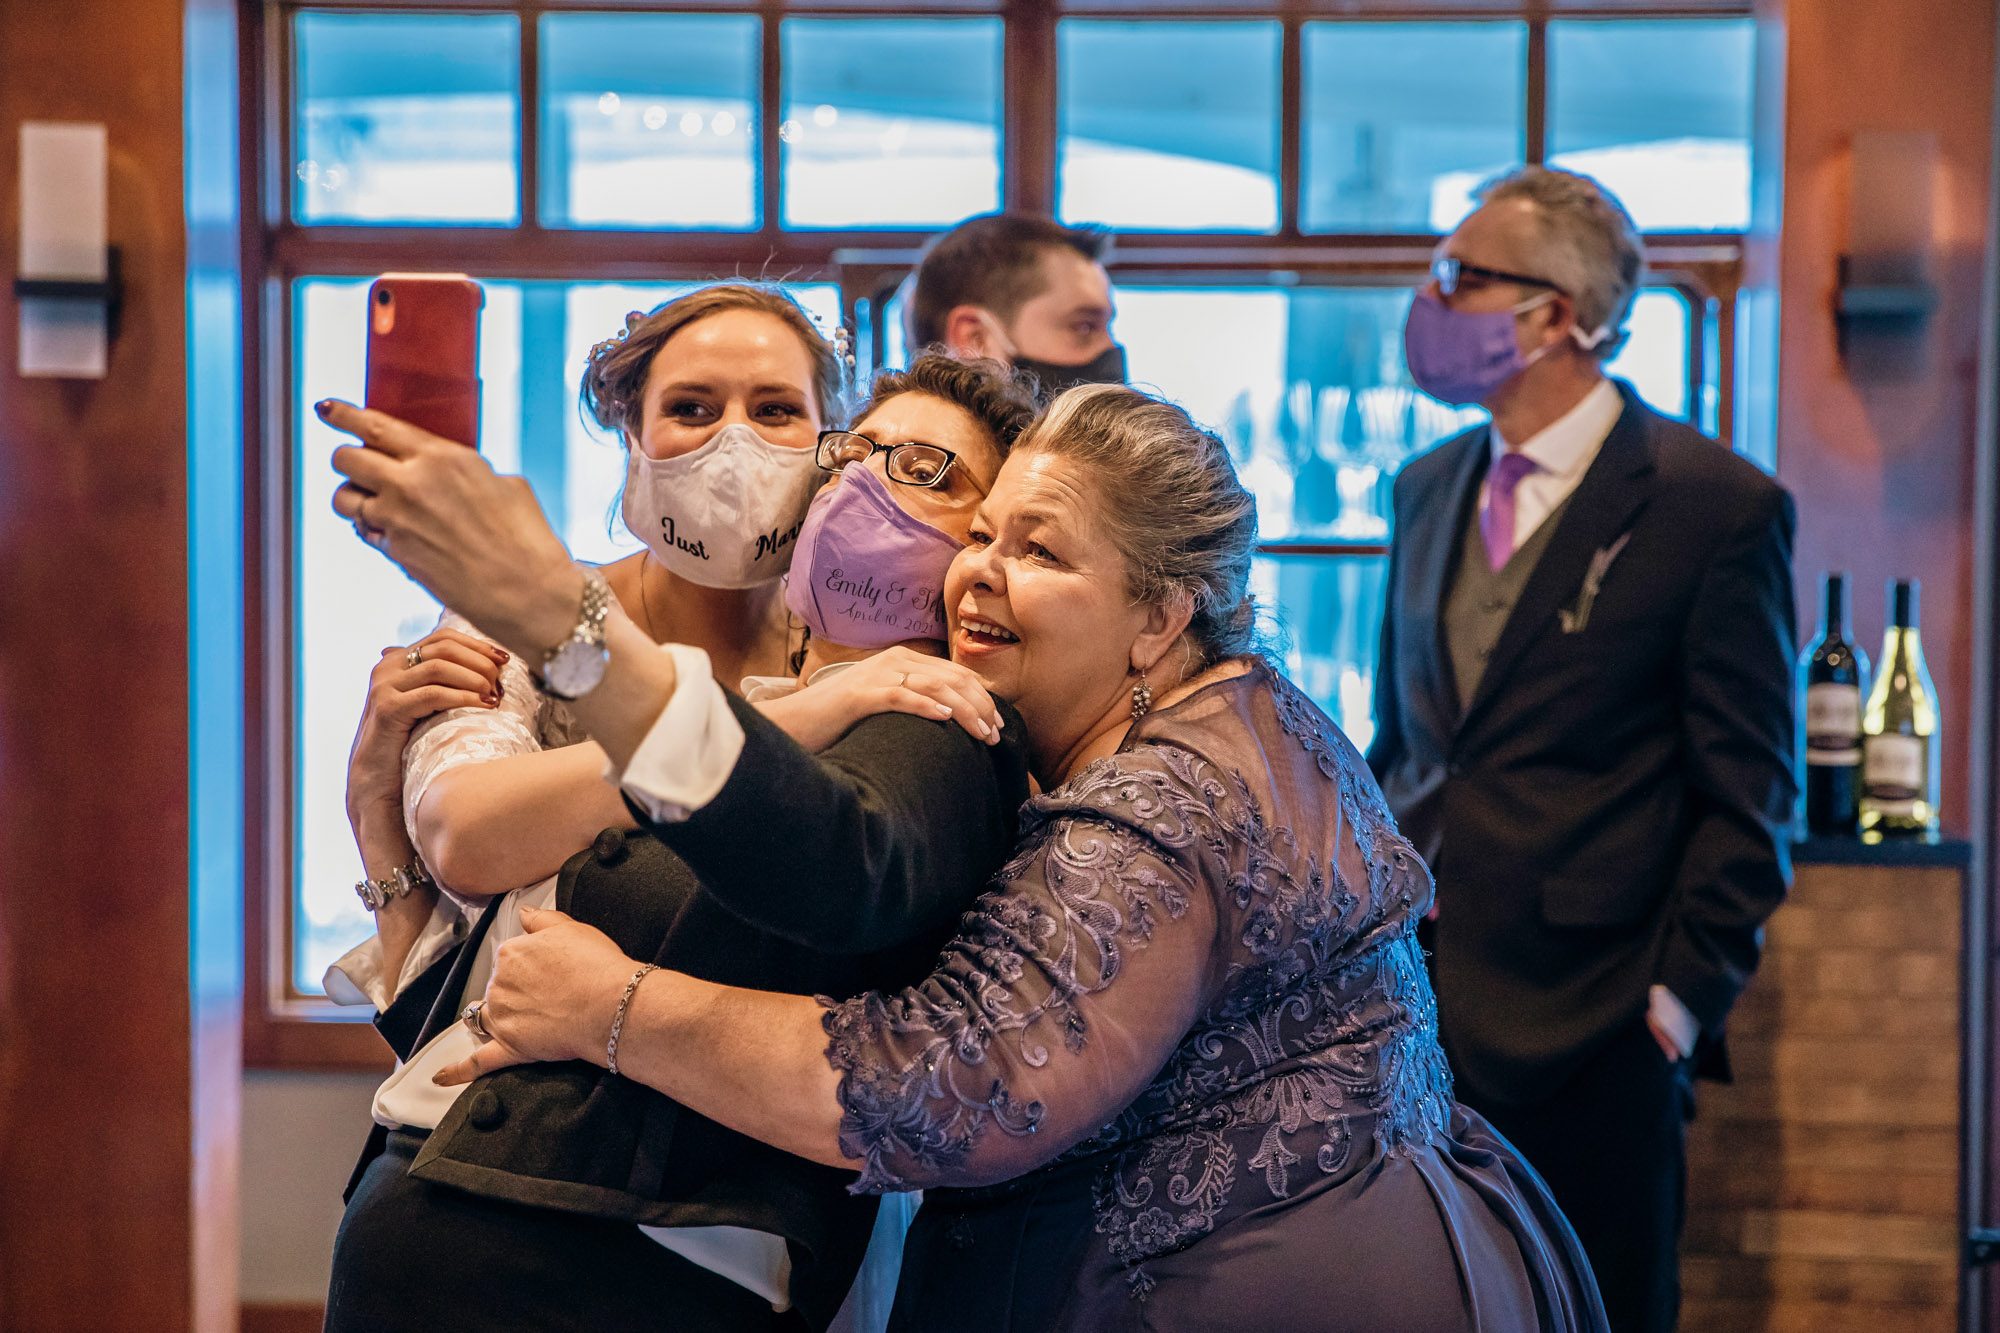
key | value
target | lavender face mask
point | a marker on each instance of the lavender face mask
(866, 574)
(1459, 357)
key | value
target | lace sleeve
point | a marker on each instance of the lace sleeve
(520, 725)
(1065, 991)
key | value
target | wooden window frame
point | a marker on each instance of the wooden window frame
(286, 1029)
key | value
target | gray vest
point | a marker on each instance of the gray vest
(1481, 599)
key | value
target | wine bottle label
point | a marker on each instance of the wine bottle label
(1833, 725)
(1892, 771)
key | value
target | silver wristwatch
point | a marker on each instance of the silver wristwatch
(398, 883)
(573, 667)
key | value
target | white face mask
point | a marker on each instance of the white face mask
(726, 515)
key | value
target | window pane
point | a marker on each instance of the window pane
(1659, 111)
(1169, 126)
(1655, 356)
(649, 120)
(1305, 385)
(1403, 119)
(407, 119)
(351, 602)
(1308, 388)
(1328, 614)
(890, 122)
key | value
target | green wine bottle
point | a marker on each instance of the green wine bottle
(1899, 740)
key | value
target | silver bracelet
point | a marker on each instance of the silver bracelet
(401, 882)
(618, 1019)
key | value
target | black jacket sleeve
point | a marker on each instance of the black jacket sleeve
(1737, 723)
(885, 836)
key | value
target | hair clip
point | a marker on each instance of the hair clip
(843, 346)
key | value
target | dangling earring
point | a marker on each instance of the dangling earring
(1142, 697)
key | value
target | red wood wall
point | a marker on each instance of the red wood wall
(117, 1178)
(1878, 449)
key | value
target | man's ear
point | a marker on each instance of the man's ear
(1561, 315)
(972, 331)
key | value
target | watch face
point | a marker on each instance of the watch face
(575, 668)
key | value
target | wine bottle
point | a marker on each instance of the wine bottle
(1899, 740)
(1833, 679)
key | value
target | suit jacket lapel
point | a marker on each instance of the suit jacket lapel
(1435, 530)
(1613, 490)
(444, 1010)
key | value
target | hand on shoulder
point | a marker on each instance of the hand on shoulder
(895, 680)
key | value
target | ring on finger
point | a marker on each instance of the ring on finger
(414, 656)
(474, 1017)
(904, 683)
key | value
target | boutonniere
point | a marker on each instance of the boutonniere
(1574, 618)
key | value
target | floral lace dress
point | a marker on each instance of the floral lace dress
(1180, 1070)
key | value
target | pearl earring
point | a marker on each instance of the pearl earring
(1142, 697)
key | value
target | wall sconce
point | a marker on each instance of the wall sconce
(68, 285)
(1886, 282)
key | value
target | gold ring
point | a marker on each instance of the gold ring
(414, 656)
(904, 683)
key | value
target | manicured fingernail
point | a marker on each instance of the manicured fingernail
(984, 730)
(323, 406)
(503, 655)
(490, 700)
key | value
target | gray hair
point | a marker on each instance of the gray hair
(1591, 247)
(1169, 500)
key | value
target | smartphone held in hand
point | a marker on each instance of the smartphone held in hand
(423, 351)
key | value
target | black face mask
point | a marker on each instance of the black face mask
(1107, 367)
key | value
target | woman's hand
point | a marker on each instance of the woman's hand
(552, 997)
(453, 670)
(895, 680)
(477, 541)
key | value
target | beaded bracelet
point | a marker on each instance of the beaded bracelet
(618, 1019)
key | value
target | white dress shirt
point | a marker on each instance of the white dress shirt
(1563, 451)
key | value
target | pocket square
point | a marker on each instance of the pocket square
(1574, 618)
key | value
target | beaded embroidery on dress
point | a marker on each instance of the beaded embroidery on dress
(1207, 895)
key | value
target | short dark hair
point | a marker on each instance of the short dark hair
(992, 261)
(986, 390)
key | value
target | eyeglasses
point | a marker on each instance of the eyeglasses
(1450, 275)
(911, 463)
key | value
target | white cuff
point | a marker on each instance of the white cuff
(356, 976)
(691, 750)
(1673, 1016)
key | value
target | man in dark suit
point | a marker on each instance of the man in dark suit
(1584, 720)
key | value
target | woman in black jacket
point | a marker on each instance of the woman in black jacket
(827, 872)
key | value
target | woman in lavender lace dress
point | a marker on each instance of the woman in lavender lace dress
(1179, 1068)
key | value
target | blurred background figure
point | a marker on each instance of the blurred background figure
(1584, 720)
(1022, 290)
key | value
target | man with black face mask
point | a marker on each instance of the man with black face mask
(1022, 290)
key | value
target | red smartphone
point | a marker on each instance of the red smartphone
(423, 351)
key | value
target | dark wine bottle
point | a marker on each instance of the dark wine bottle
(1899, 740)
(1833, 680)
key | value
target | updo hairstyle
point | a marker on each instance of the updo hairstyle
(614, 375)
(1169, 500)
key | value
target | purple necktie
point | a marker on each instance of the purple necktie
(1496, 521)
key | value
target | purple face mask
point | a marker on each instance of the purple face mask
(866, 574)
(1459, 357)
